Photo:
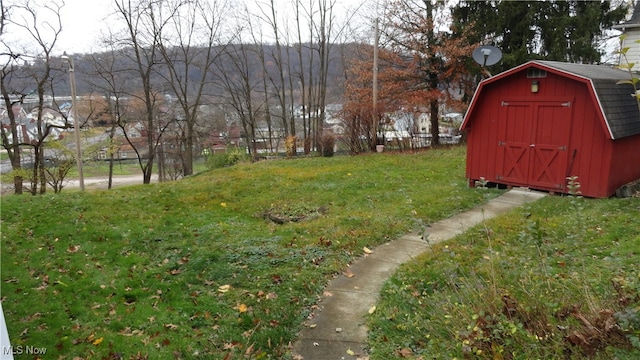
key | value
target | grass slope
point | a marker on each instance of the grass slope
(193, 269)
(558, 279)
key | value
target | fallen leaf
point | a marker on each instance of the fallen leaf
(175, 271)
(327, 293)
(404, 352)
(73, 248)
(350, 352)
(348, 274)
(241, 308)
(171, 326)
(366, 250)
(224, 288)
(97, 341)
(249, 350)
(372, 309)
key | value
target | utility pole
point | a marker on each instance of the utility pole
(76, 118)
(375, 83)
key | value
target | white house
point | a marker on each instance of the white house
(631, 31)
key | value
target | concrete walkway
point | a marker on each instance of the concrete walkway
(337, 330)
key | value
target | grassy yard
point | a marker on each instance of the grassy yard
(557, 279)
(124, 168)
(209, 267)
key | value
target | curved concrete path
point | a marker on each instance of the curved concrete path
(337, 329)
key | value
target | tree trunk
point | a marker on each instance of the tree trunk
(435, 123)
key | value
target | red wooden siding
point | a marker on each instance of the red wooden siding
(625, 163)
(520, 138)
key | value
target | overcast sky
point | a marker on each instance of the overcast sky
(83, 21)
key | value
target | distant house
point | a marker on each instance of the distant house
(27, 124)
(127, 151)
(543, 121)
(631, 31)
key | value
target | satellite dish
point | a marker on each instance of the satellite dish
(487, 55)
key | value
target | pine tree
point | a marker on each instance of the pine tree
(569, 31)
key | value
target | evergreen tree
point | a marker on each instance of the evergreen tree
(569, 31)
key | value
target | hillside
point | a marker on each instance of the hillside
(230, 262)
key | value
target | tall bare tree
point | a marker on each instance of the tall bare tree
(190, 46)
(140, 42)
(27, 70)
(109, 81)
(273, 20)
(237, 78)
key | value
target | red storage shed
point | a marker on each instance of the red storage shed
(543, 121)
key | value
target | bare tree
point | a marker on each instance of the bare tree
(323, 31)
(28, 70)
(235, 77)
(140, 42)
(277, 81)
(301, 78)
(109, 81)
(189, 48)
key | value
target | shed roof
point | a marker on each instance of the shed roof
(617, 102)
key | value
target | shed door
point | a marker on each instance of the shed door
(535, 146)
(515, 124)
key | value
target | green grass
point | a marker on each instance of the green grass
(192, 269)
(557, 279)
(124, 168)
(101, 168)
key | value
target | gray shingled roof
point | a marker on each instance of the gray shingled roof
(633, 22)
(619, 105)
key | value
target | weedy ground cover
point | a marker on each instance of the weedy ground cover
(556, 279)
(198, 268)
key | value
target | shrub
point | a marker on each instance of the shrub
(231, 156)
(328, 142)
(290, 145)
